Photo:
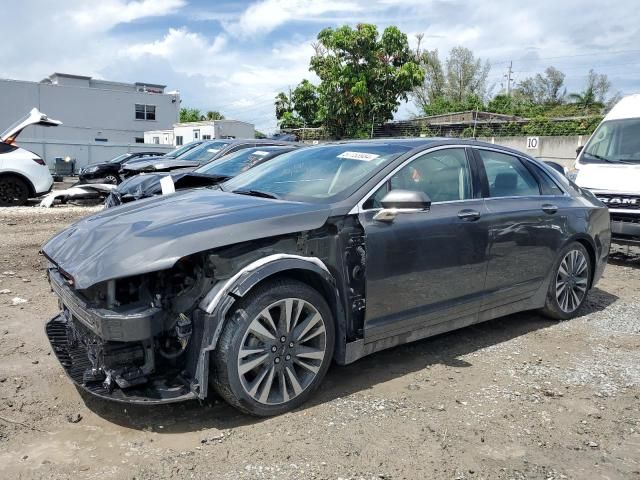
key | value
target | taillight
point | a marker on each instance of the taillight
(39, 161)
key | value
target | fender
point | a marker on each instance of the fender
(213, 308)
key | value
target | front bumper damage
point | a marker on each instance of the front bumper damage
(114, 354)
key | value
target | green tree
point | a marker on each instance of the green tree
(363, 77)
(190, 115)
(465, 74)
(283, 104)
(434, 83)
(213, 115)
(543, 89)
(306, 102)
(259, 134)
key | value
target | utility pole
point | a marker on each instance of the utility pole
(508, 76)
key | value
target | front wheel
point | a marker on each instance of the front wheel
(275, 349)
(112, 179)
(570, 283)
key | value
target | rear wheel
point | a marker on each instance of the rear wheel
(275, 349)
(569, 286)
(13, 191)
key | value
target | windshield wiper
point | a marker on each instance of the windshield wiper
(608, 160)
(257, 193)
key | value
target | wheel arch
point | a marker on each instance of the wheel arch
(215, 306)
(21, 176)
(589, 245)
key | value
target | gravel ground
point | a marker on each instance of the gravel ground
(519, 397)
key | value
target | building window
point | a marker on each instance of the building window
(100, 139)
(179, 140)
(145, 112)
(156, 140)
(206, 137)
(196, 134)
(139, 139)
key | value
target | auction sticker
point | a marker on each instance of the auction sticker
(260, 153)
(365, 157)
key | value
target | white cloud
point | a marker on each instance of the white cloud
(266, 15)
(107, 13)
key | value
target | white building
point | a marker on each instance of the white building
(183, 133)
(101, 119)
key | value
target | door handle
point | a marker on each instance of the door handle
(549, 208)
(469, 215)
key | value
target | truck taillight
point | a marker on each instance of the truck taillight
(39, 161)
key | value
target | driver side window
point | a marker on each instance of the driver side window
(444, 175)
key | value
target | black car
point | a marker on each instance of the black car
(210, 174)
(327, 253)
(107, 172)
(208, 151)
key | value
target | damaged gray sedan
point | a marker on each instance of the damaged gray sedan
(323, 254)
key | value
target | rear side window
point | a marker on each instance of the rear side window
(507, 175)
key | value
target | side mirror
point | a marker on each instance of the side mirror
(579, 149)
(402, 201)
(557, 167)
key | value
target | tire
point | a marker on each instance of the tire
(242, 380)
(13, 191)
(568, 292)
(112, 178)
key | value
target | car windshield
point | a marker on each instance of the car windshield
(237, 162)
(316, 174)
(615, 141)
(204, 152)
(119, 158)
(181, 150)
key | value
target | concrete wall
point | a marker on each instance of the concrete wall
(557, 149)
(87, 113)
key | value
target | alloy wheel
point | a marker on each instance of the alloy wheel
(572, 281)
(282, 351)
(112, 179)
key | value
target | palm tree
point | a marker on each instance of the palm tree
(213, 115)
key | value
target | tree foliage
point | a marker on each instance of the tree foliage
(459, 85)
(190, 115)
(195, 115)
(543, 89)
(363, 77)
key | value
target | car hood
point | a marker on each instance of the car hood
(152, 234)
(34, 117)
(136, 161)
(160, 164)
(621, 178)
(146, 185)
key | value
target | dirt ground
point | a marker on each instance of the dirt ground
(520, 397)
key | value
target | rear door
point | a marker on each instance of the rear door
(526, 218)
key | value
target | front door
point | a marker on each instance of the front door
(426, 267)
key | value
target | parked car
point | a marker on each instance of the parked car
(609, 166)
(329, 252)
(23, 174)
(208, 175)
(208, 151)
(107, 172)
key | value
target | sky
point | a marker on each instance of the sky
(235, 56)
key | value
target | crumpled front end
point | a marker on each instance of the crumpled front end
(132, 340)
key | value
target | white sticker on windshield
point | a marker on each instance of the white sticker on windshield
(260, 153)
(365, 157)
(167, 185)
(213, 150)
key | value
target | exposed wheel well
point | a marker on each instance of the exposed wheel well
(32, 190)
(318, 283)
(592, 256)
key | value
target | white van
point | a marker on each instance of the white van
(609, 166)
